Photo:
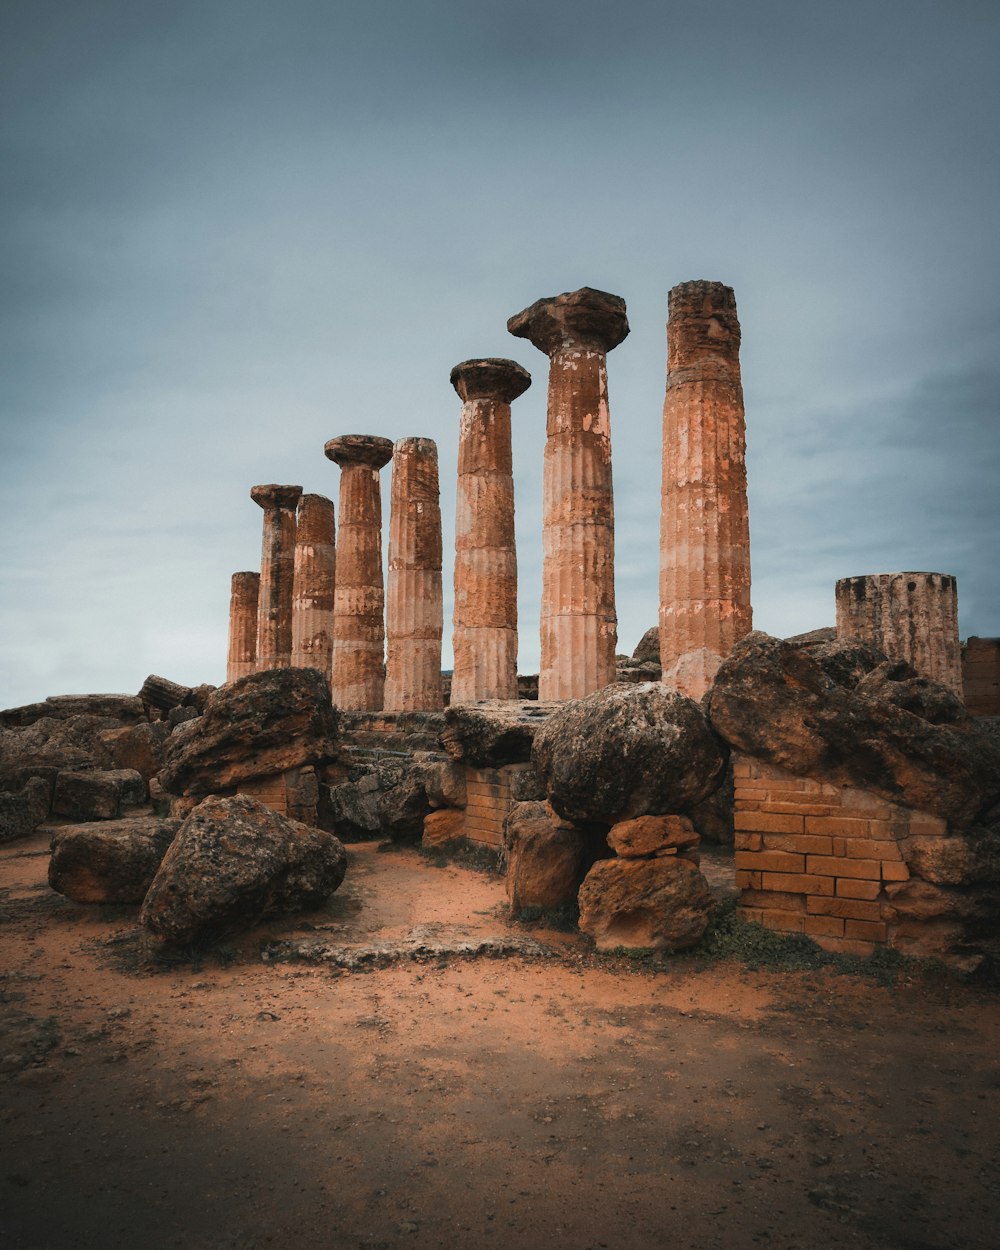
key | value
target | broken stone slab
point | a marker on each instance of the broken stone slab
(126, 709)
(139, 747)
(101, 794)
(442, 828)
(161, 693)
(20, 813)
(233, 862)
(546, 858)
(418, 947)
(111, 862)
(49, 746)
(663, 903)
(963, 859)
(841, 713)
(628, 751)
(491, 734)
(390, 800)
(651, 835)
(262, 724)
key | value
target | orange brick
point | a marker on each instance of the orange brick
(747, 880)
(751, 914)
(837, 866)
(871, 931)
(783, 921)
(848, 888)
(874, 807)
(743, 767)
(839, 846)
(797, 883)
(770, 861)
(848, 908)
(892, 871)
(767, 822)
(799, 843)
(791, 789)
(772, 899)
(867, 848)
(845, 946)
(784, 807)
(749, 842)
(927, 826)
(832, 926)
(846, 825)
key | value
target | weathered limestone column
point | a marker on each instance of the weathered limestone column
(413, 612)
(579, 627)
(315, 576)
(485, 618)
(704, 526)
(909, 616)
(243, 601)
(358, 680)
(277, 564)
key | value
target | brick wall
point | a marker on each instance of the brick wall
(815, 858)
(981, 676)
(487, 804)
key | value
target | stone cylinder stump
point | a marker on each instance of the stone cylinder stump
(243, 599)
(414, 612)
(485, 614)
(313, 584)
(358, 680)
(579, 625)
(909, 616)
(277, 570)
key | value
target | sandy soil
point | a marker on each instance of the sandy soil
(548, 1100)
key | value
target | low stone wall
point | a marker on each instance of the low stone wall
(981, 676)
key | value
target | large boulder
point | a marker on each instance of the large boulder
(662, 903)
(233, 862)
(125, 709)
(546, 858)
(491, 734)
(259, 725)
(628, 751)
(139, 747)
(390, 800)
(50, 745)
(20, 812)
(111, 862)
(842, 713)
(652, 835)
(99, 794)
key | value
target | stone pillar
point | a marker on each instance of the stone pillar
(909, 616)
(414, 613)
(312, 593)
(704, 527)
(485, 635)
(277, 564)
(243, 625)
(579, 627)
(358, 681)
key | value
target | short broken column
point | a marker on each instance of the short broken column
(277, 564)
(313, 585)
(414, 611)
(243, 600)
(704, 526)
(909, 616)
(485, 614)
(358, 680)
(579, 627)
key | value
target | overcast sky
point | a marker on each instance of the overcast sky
(232, 229)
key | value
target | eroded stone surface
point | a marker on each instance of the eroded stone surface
(489, 735)
(662, 903)
(313, 584)
(111, 862)
(546, 858)
(101, 794)
(277, 569)
(651, 835)
(244, 602)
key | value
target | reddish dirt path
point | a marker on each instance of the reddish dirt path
(557, 1102)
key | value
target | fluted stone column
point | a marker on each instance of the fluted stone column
(413, 610)
(704, 526)
(243, 602)
(909, 616)
(358, 681)
(579, 628)
(277, 564)
(485, 617)
(315, 576)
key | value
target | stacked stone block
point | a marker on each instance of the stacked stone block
(488, 804)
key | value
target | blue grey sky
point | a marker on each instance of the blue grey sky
(234, 229)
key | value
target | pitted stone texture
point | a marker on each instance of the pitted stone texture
(111, 862)
(358, 679)
(546, 858)
(651, 835)
(21, 811)
(139, 747)
(277, 563)
(662, 903)
(578, 622)
(490, 735)
(315, 573)
(704, 527)
(98, 795)
(163, 694)
(909, 616)
(244, 603)
(126, 709)
(414, 599)
(485, 612)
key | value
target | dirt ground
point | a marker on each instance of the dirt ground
(543, 1098)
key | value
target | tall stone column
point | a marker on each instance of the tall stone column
(358, 681)
(243, 602)
(315, 576)
(277, 563)
(579, 628)
(704, 526)
(909, 616)
(485, 618)
(413, 610)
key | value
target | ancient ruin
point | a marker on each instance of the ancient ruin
(243, 604)
(277, 570)
(704, 527)
(313, 584)
(414, 607)
(579, 626)
(485, 586)
(358, 680)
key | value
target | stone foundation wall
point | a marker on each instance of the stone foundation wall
(823, 860)
(487, 804)
(981, 676)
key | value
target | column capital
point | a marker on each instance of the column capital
(703, 324)
(367, 449)
(273, 496)
(490, 378)
(584, 319)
